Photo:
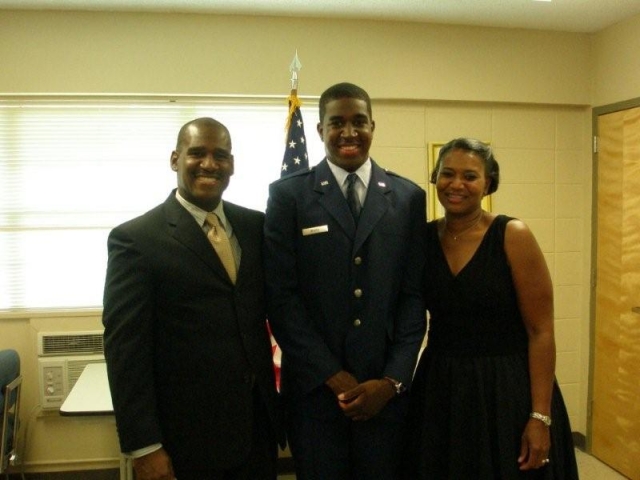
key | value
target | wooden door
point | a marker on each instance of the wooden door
(615, 423)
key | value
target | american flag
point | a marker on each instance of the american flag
(295, 159)
(295, 153)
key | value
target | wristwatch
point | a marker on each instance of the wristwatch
(397, 386)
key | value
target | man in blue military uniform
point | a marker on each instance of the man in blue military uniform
(344, 253)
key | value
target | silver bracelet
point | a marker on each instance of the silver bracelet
(543, 418)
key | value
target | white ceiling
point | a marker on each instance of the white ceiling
(562, 15)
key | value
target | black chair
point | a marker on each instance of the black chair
(10, 385)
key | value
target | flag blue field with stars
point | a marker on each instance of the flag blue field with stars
(295, 153)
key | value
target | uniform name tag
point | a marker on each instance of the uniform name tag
(314, 230)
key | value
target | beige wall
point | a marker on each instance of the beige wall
(616, 76)
(205, 54)
(526, 92)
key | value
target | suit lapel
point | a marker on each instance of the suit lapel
(187, 231)
(332, 198)
(242, 232)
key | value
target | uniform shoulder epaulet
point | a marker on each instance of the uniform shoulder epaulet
(397, 175)
(299, 173)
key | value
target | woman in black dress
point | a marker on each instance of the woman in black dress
(485, 401)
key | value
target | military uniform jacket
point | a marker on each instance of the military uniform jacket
(344, 296)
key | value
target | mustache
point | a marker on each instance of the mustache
(217, 176)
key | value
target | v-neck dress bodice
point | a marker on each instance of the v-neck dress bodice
(475, 311)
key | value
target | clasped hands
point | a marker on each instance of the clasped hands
(360, 401)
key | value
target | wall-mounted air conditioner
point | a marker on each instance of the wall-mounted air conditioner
(62, 357)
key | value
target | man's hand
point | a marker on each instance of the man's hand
(341, 382)
(154, 466)
(366, 400)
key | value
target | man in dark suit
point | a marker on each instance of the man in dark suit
(186, 344)
(344, 263)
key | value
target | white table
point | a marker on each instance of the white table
(91, 396)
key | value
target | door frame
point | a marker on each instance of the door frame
(595, 113)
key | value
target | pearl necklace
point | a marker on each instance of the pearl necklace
(468, 229)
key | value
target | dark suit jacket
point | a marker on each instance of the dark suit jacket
(184, 346)
(341, 297)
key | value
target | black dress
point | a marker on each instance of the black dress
(471, 393)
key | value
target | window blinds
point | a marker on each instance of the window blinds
(72, 170)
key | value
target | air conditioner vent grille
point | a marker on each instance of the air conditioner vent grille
(73, 344)
(76, 367)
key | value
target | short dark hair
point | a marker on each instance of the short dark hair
(481, 149)
(343, 90)
(198, 122)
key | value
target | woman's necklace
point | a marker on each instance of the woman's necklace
(455, 236)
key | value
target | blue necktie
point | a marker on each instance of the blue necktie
(352, 196)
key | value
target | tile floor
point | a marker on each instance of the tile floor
(589, 467)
